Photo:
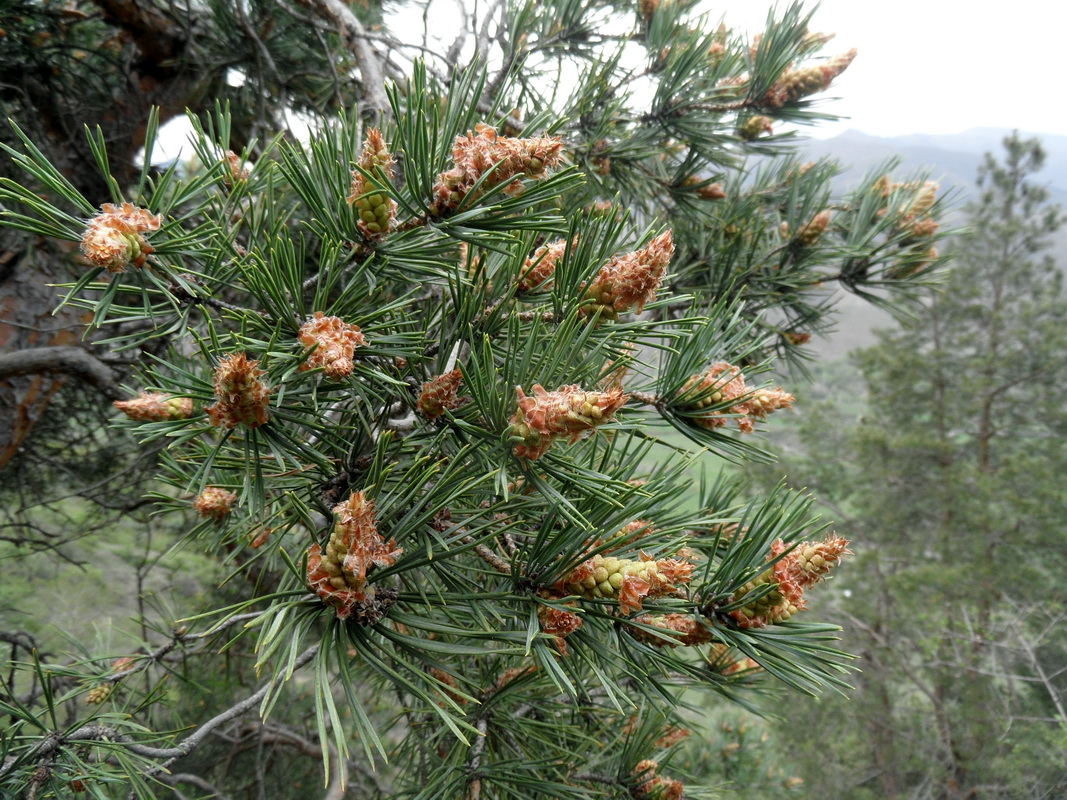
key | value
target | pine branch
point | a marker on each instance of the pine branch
(74, 361)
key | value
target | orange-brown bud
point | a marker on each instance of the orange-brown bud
(214, 503)
(240, 396)
(567, 412)
(439, 393)
(377, 211)
(335, 342)
(500, 158)
(540, 267)
(114, 238)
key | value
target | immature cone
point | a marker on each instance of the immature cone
(501, 158)
(805, 566)
(540, 267)
(795, 84)
(683, 629)
(628, 581)
(655, 787)
(724, 383)
(156, 407)
(238, 172)
(114, 238)
(214, 503)
(335, 343)
(240, 396)
(339, 576)
(569, 412)
(439, 393)
(631, 280)
(377, 211)
(725, 661)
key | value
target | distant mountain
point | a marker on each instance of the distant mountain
(950, 159)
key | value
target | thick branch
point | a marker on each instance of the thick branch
(67, 360)
(355, 36)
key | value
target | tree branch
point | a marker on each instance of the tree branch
(355, 37)
(74, 361)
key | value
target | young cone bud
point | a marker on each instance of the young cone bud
(377, 211)
(627, 581)
(501, 158)
(156, 407)
(542, 265)
(723, 383)
(439, 394)
(114, 238)
(684, 630)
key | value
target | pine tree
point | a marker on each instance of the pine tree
(407, 378)
(956, 605)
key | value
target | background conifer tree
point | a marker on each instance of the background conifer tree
(955, 605)
(404, 382)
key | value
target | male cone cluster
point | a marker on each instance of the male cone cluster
(335, 343)
(629, 281)
(114, 239)
(377, 210)
(339, 575)
(214, 503)
(499, 159)
(801, 568)
(156, 407)
(439, 393)
(722, 383)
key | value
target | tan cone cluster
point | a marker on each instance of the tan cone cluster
(214, 503)
(914, 212)
(114, 239)
(241, 398)
(339, 575)
(156, 407)
(726, 661)
(754, 127)
(651, 786)
(439, 393)
(335, 342)
(627, 581)
(629, 281)
(796, 84)
(722, 383)
(502, 158)
(802, 568)
(377, 210)
(541, 266)
(568, 412)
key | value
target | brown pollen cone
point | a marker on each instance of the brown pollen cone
(114, 238)
(541, 266)
(214, 503)
(377, 211)
(240, 396)
(335, 342)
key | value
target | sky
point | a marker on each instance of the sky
(937, 66)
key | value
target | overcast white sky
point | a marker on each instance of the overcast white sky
(938, 66)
